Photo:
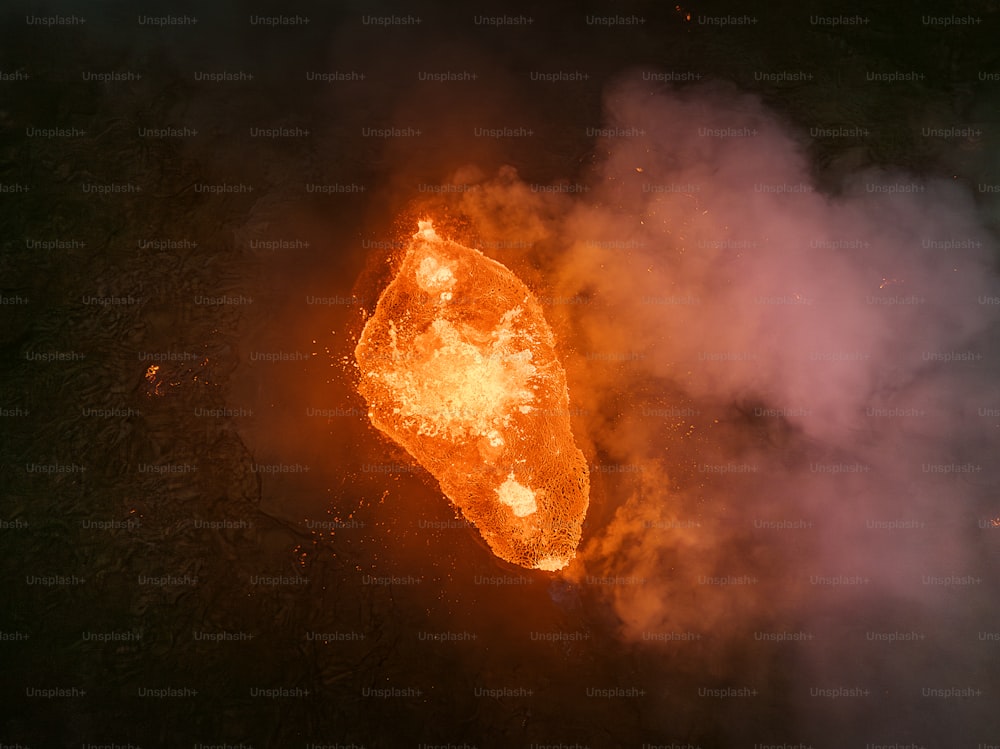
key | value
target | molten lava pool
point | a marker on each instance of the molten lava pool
(458, 365)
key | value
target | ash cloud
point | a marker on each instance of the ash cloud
(789, 393)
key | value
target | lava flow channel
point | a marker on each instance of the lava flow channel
(458, 366)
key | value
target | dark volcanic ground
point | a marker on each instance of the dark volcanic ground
(205, 542)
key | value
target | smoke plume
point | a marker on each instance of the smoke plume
(788, 392)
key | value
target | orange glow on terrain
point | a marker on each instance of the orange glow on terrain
(458, 366)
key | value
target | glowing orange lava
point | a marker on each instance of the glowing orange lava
(458, 366)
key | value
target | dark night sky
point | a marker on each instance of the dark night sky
(766, 241)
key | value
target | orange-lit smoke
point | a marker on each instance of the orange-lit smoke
(458, 365)
(755, 401)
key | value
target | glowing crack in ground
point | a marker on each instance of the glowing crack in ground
(458, 366)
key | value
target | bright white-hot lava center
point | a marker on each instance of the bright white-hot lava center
(458, 365)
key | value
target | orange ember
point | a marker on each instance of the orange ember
(458, 366)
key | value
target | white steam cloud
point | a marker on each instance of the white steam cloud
(790, 394)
